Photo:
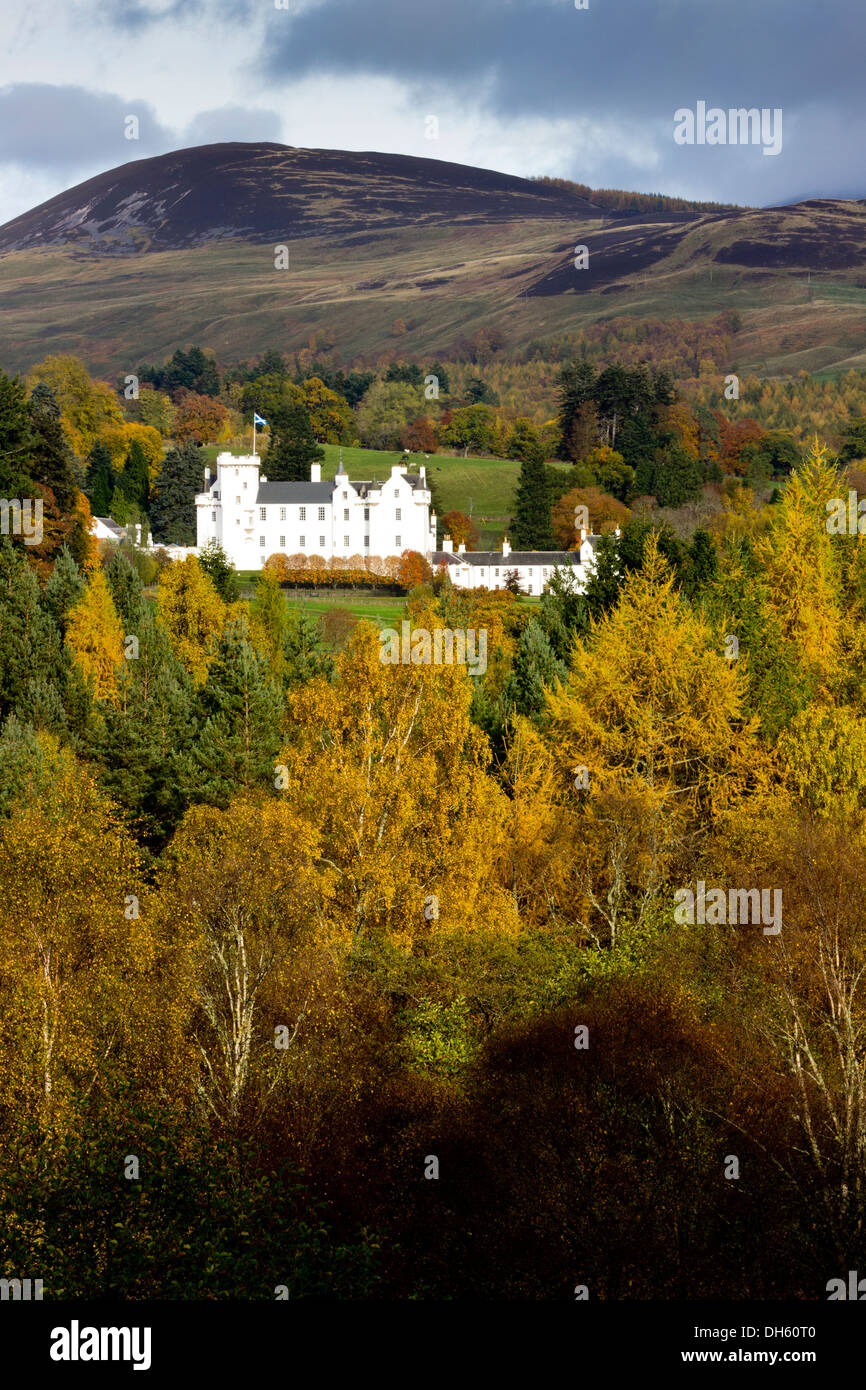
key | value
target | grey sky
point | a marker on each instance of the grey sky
(525, 86)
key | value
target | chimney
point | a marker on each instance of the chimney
(206, 479)
(582, 534)
(506, 548)
(461, 549)
(315, 472)
(422, 473)
(447, 545)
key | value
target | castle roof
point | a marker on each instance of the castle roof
(295, 492)
(483, 558)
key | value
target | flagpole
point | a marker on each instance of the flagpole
(254, 434)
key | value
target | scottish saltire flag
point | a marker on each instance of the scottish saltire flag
(257, 419)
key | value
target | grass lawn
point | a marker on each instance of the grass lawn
(385, 611)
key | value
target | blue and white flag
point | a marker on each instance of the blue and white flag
(257, 419)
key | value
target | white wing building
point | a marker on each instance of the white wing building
(253, 518)
(534, 569)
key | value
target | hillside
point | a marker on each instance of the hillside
(262, 193)
(396, 256)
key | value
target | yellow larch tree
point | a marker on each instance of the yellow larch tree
(86, 988)
(388, 766)
(192, 613)
(95, 634)
(803, 582)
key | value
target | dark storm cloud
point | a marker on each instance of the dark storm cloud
(546, 57)
(619, 61)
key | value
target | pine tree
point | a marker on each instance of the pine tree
(677, 477)
(535, 666)
(64, 588)
(239, 711)
(21, 763)
(701, 564)
(30, 642)
(531, 525)
(172, 511)
(134, 480)
(304, 650)
(140, 741)
(293, 446)
(220, 571)
(99, 482)
(125, 585)
(15, 438)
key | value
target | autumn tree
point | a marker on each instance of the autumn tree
(192, 612)
(461, 528)
(386, 764)
(95, 635)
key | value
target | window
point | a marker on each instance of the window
(282, 542)
(397, 542)
(303, 512)
(262, 542)
(366, 513)
(303, 542)
(544, 574)
(244, 486)
(282, 513)
(399, 516)
(367, 542)
(238, 501)
(237, 471)
(321, 542)
(345, 513)
(321, 513)
(213, 516)
(346, 542)
(263, 516)
(345, 496)
(237, 521)
(497, 574)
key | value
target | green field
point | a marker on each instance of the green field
(385, 611)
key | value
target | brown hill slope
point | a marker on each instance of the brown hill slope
(266, 192)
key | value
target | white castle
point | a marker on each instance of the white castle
(253, 519)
